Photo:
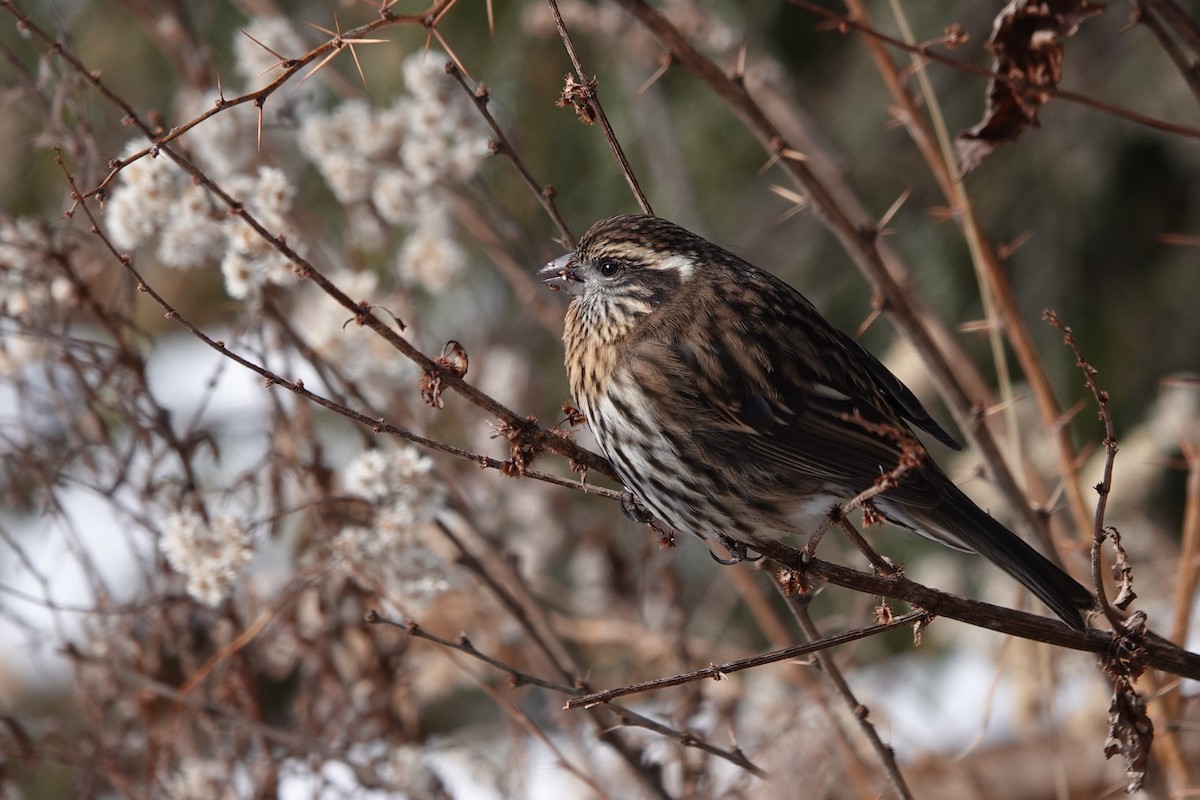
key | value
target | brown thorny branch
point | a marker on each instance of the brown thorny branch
(527, 438)
(1012, 323)
(1164, 656)
(843, 24)
(580, 93)
(518, 678)
(719, 671)
(500, 145)
(1099, 532)
(798, 604)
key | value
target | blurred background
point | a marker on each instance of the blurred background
(187, 556)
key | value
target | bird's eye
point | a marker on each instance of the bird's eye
(608, 267)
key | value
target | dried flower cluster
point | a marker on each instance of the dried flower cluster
(392, 556)
(398, 164)
(209, 554)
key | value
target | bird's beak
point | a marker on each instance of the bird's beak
(561, 274)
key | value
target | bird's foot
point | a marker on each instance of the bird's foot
(737, 552)
(633, 509)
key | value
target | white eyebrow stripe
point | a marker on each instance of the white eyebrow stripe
(681, 264)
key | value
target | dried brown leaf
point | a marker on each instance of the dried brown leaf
(1130, 729)
(578, 96)
(1028, 54)
(1130, 733)
(453, 361)
(1122, 572)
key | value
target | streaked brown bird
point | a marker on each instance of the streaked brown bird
(731, 408)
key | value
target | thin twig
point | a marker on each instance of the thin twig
(995, 290)
(1104, 488)
(719, 671)
(843, 22)
(521, 678)
(886, 755)
(1158, 16)
(593, 99)
(503, 145)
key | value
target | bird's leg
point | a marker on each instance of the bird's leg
(633, 509)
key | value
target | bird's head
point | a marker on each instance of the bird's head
(625, 269)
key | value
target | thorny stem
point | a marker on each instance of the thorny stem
(719, 671)
(1169, 749)
(544, 194)
(996, 291)
(885, 754)
(1160, 653)
(594, 101)
(880, 564)
(849, 23)
(1104, 488)
(521, 677)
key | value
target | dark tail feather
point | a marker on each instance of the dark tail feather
(980, 532)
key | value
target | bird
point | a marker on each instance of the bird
(732, 409)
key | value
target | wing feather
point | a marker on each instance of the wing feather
(782, 418)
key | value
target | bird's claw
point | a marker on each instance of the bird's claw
(737, 552)
(633, 509)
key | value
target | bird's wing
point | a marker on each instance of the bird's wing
(902, 400)
(781, 414)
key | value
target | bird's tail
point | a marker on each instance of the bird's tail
(964, 524)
